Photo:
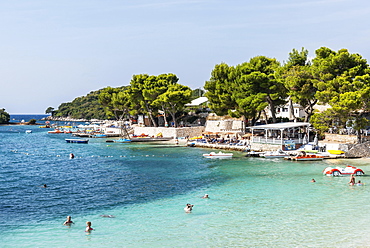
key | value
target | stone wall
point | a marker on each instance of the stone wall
(170, 131)
(265, 147)
(340, 138)
(223, 125)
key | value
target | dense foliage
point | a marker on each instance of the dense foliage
(84, 107)
(148, 95)
(339, 80)
(4, 116)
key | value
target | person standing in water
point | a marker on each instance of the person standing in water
(352, 180)
(69, 221)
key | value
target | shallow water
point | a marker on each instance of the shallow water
(253, 202)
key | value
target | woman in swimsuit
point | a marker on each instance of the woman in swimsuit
(69, 221)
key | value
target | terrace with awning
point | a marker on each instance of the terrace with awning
(286, 134)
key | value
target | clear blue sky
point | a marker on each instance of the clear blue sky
(54, 51)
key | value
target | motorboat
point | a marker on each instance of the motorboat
(218, 155)
(56, 131)
(303, 156)
(28, 131)
(346, 171)
(307, 157)
(122, 140)
(83, 141)
(275, 154)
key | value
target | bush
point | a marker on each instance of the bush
(4, 116)
(32, 122)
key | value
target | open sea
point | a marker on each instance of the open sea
(144, 187)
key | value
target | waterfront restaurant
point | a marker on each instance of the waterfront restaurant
(288, 135)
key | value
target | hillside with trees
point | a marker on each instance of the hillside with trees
(84, 107)
(149, 95)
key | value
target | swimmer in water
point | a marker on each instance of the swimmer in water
(188, 208)
(205, 196)
(313, 180)
(71, 156)
(44, 186)
(359, 183)
(69, 221)
(352, 180)
(88, 227)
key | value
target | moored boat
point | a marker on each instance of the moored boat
(122, 140)
(83, 141)
(56, 131)
(302, 156)
(275, 154)
(218, 155)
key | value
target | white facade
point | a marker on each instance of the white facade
(285, 111)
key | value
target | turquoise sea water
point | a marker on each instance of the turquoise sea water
(254, 202)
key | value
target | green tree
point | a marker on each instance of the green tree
(117, 103)
(154, 86)
(174, 99)
(219, 90)
(49, 110)
(4, 116)
(256, 86)
(343, 83)
(136, 94)
(299, 80)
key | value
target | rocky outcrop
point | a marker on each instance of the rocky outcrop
(359, 151)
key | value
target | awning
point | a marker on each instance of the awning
(279, 126)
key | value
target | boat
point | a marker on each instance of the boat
(302, 156)
(346, 171)
(28, 131)
(336, 152)
(275, 154)
(99, 135)
(218, 155)
(122, 140)
(83, 141)
(56, 131)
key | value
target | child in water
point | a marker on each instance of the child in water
(88, 227)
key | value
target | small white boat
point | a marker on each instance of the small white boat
(28, 131)
(275, 154)
(218, 155)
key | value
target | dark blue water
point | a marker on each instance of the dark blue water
(101, 176)
(26, 118)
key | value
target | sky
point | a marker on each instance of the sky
(54, 51)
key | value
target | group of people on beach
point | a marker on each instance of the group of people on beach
(69, 222)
